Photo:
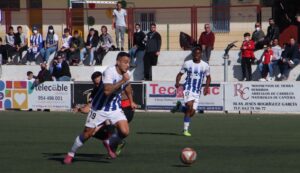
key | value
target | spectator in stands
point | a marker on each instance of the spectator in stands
(258, 37)
(21, 41)
(119, 23)
(138, 44)
(10, 41)
(61, 69)
(152, 51)
(106, 44)
(66, 40)
(266, 60)
(36, 44)
(43, 76)
(51, 44)
(77, 44)
(247, 50)
(3, 52)
(90, 46)
(277, 51)
(272, 33)
(207, 41)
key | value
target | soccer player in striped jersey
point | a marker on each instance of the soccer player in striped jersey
(196, 71)
(106, 105)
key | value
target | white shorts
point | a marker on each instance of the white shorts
(95, 118)
(189, 96)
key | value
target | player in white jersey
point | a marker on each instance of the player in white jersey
(106, 105)
(196, 70)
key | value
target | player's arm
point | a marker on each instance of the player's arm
(208, 80)
(110, 88)
(128, 92)
(178, 78)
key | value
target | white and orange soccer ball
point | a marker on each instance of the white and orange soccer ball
(188, 156)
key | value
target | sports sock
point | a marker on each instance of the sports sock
(186, 123)
(77, 144)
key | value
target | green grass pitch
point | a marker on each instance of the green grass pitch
(36, 142)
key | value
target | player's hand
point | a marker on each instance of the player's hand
(177, 85)
(206, 91)
(133, 105)
(126, 77)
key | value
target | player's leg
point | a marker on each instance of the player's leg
(79, 141)
(187, 117)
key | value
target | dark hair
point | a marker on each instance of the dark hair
(76, 32)
(1, 39)
(11, 28)
(271, 18)
(19, 27)
(152, 24)
(122, 54)
(95, 75)
(247, 34)
(29, 73)
(195, 49)
(119, 2)
(92, 29)
(103, 26)
(66, 30)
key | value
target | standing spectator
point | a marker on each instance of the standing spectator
(66, 40)
(138, 44)
(152, 52)
(120, 24)
(36, 44)
(277, 51)
(77, 44)
(21, 41)
(61, 69)
(272, 33)
(10, 43)
(247, 50)
(3, 52)
(51, 44)
(106, 43)
(90, 46)
(266, 60)
(258, 37)
(207, 41)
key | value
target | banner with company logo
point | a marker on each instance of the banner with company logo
(262, 97)
(163, 96)
(50, 95)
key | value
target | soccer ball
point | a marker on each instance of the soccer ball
(188, 156)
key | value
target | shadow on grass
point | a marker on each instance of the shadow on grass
(181, 166)
(158, 133)
(59, 157)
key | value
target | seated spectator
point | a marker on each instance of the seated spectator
(277, 51)
(43, 76)
(266, 60)
(207, 41)
(66, 40)
(36, 44)
(272, 32)
(51, 44)
(258, 37)
(10, 41)
(76, 45)
(90, 46)
(138, 44)
(247, 50)
(61, 69)
(3, 52)
(106, 43)
(21, 42)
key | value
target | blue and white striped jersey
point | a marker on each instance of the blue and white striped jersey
(112, 102)
(195, 75)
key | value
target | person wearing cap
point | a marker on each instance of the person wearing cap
(90, 46)
(36, 44)
(51, 44)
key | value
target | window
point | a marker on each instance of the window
(145, 19)
(267, 3)
(15, 4)
(34, 4)
(221, 15)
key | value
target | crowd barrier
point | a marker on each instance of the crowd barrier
(261, 97)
